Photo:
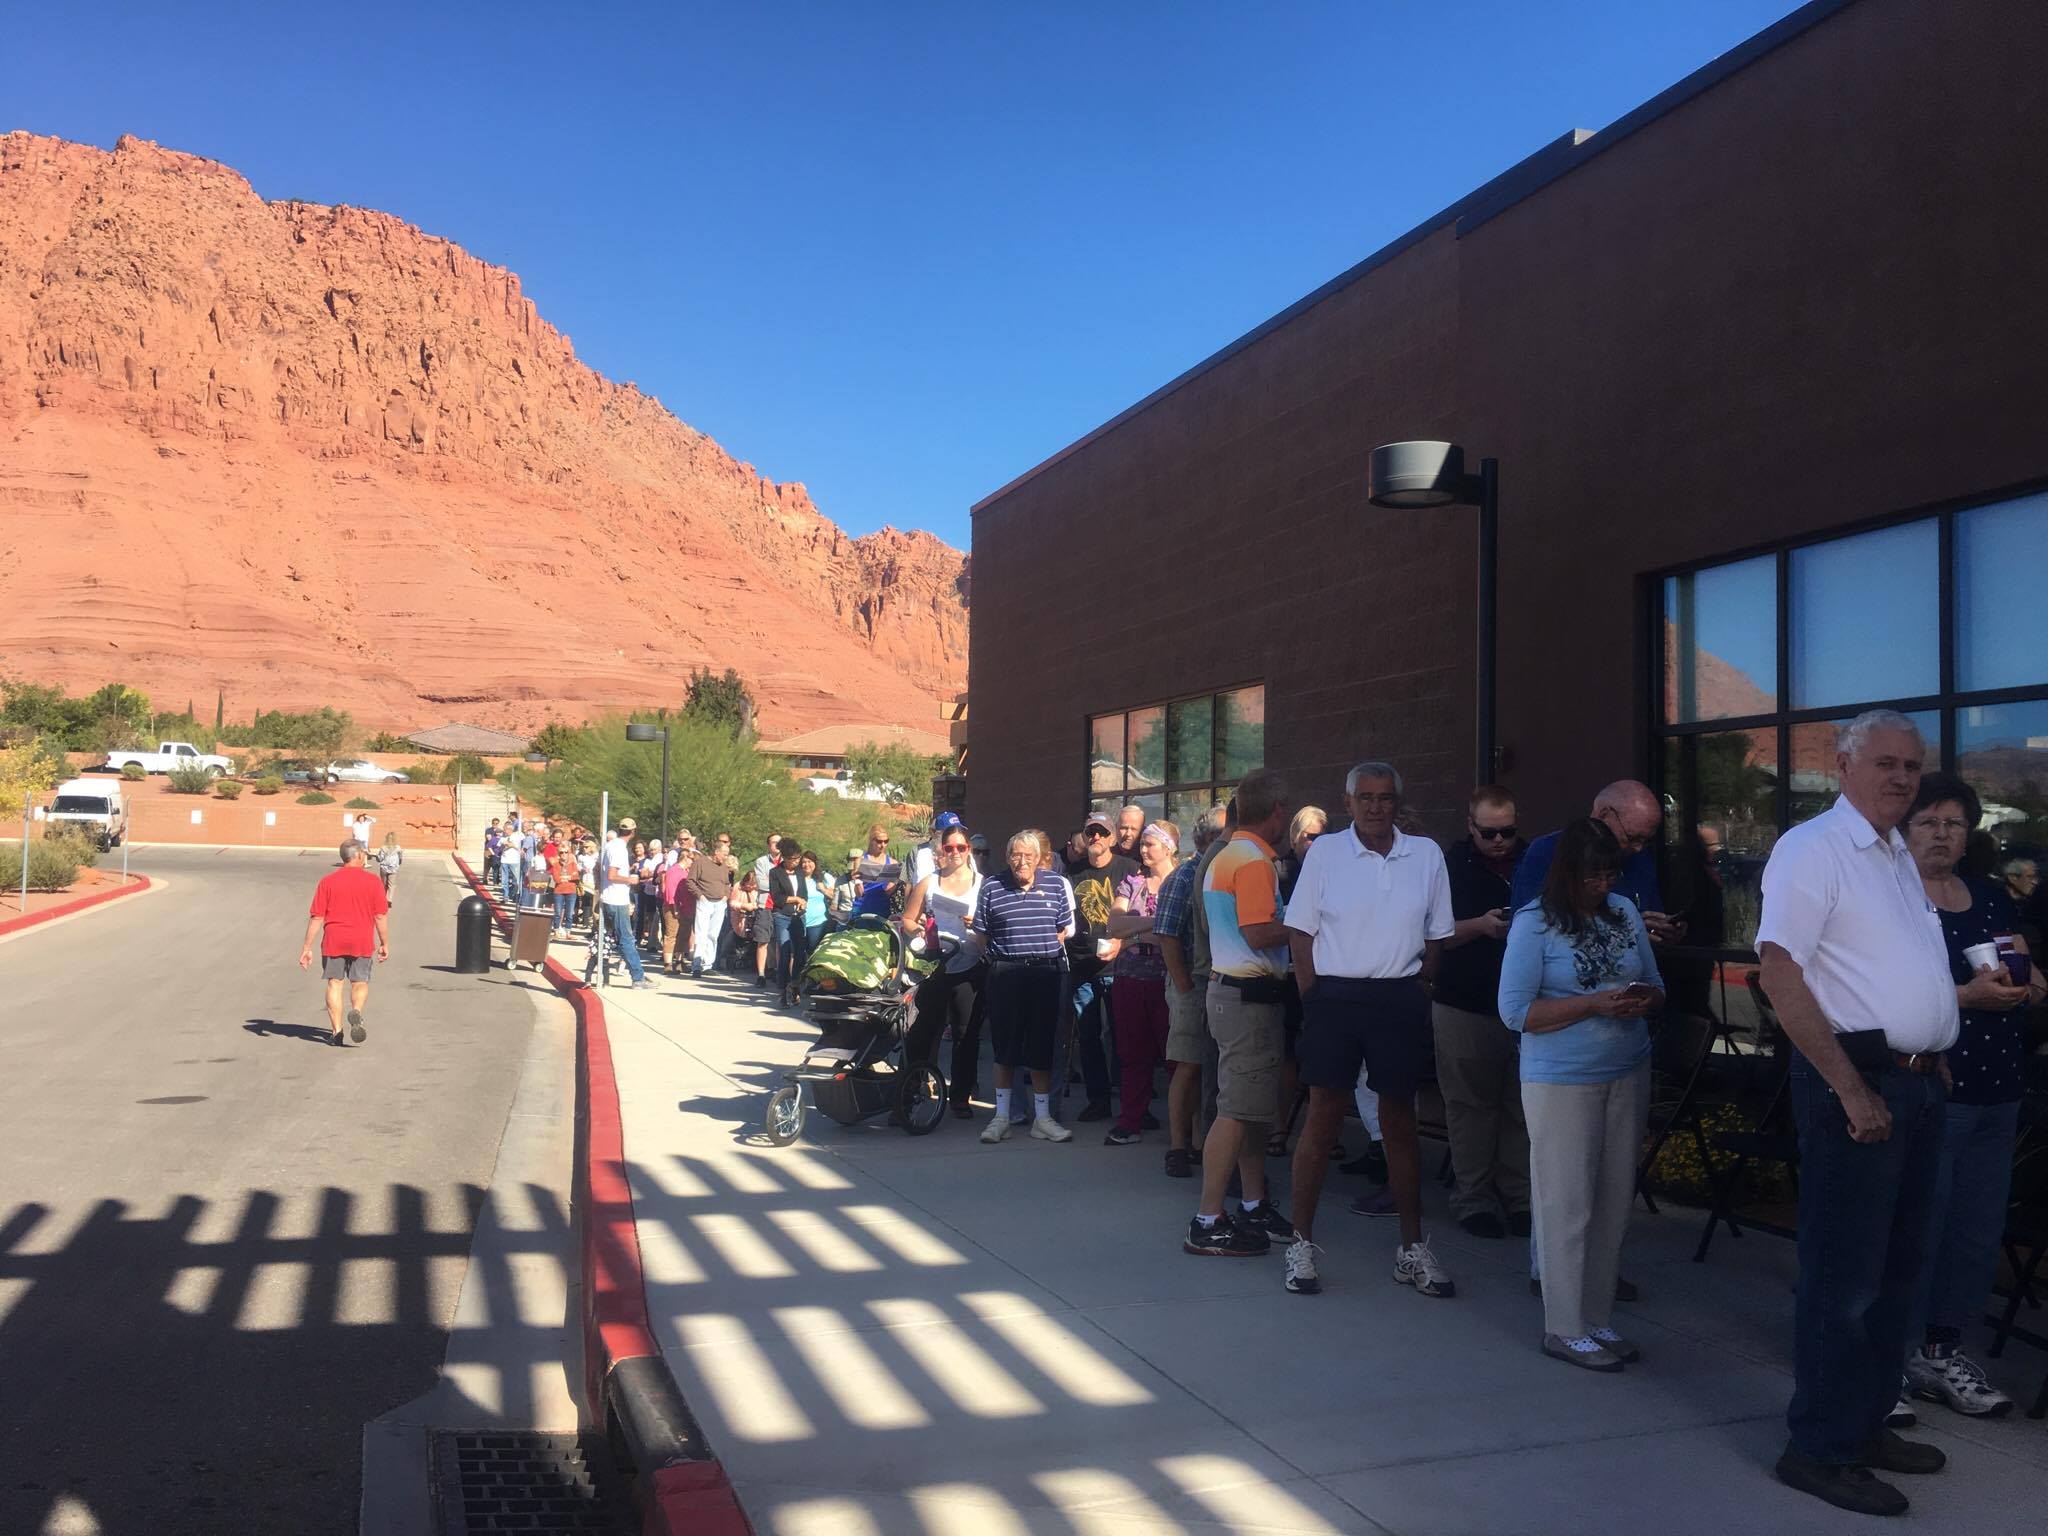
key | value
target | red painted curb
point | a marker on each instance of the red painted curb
(691, 1496)
(30, 919)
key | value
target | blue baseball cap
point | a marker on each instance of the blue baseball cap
(945, 821)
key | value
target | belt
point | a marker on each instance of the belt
(1926, 1063)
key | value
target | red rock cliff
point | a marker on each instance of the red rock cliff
(314, 456)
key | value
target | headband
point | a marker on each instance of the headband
(1164, 836)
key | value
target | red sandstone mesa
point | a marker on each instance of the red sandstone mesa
(314, 456)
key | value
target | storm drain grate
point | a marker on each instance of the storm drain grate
(488, 1481)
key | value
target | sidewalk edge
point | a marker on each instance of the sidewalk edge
(97, 898)
(628, 1387)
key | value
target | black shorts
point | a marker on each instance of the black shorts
(1383, 1026)
(1023, 1011)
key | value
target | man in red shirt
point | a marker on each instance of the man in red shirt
(348, 917)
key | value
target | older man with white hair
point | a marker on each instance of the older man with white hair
(1634, 815)
(1856, 967)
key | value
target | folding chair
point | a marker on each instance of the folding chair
(1765, 1089)
(1682, 1052)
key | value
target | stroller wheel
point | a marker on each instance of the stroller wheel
(784, 1121)
(922, 1100)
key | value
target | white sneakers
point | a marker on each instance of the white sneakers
(1045, 1128)
(1956, 1380)
(1416, 1265)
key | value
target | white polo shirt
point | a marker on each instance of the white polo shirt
(1368, 913)
(618, 863)
(1850, 909)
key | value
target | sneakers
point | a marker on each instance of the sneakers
(1119, 1137)
(356, 1032)
(1045, 1128)
(1177, 1164)
(1902, 1415)
(646, 984)
(1302, 1278)
(997, 1129)
(1958, 1381)
(1586, 1352)
(696, 970)
(1626, 1351)
(1372, 1163)
(1094, 1109)
(1378, 1203)
(1269, 1220)
(1887, 1452)
(1850, 1488)
(1223, 1238)
(1415, 1265)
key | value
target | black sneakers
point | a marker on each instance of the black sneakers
(1119, 1137)
(1224, 1238)
(1094, 1109)
(1850, 1488)
(1268, 1219)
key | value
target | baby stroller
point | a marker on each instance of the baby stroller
(856, 989)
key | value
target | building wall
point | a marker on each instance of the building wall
(1808, 297)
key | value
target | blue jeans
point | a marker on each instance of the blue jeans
(778, 959)
(621, 920)
(508, 880)
(1863, 1232)
(1972, 1183)
(565, 909)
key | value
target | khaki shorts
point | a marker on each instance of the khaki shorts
(1248, 1050)
(1187, 1024)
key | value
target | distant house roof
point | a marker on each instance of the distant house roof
(837, 740)
(469, 738)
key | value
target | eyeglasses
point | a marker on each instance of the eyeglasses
(879, 842)
(1507, 832)
(1093, 834)
(1939, 824)
(952, 847)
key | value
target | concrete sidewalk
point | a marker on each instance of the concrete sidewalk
(885, 1334)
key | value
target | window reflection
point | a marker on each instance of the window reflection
(1721, 641)
(1998, 595)
(1147, 759)
(1106, 753)
(1240, 732)
(1721, 796)
(1188, 753)
(1864, 617)
(2002, 753)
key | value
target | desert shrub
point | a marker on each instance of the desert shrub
(360, 804)
(79, 846)
(269, 784)
(465, 766)
(52, 864)
(423, 772)
(384, 741)
(190, 781)
(316, 797)
(134, 771)
(227, 789)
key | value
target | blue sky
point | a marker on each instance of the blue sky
(900, 252)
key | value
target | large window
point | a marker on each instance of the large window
(1178, 758)
(1764, 658)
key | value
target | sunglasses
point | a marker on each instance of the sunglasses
(953, 847)
(879, 842)
(1092, 834)
(1506, 833)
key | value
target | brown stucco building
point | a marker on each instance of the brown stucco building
(1797, 296)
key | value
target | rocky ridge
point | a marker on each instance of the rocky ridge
(313, 455)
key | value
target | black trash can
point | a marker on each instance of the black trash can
(473, 936)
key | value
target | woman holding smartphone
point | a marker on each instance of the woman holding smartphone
(1578, 980)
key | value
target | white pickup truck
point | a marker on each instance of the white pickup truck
(169, 755)
(93, 806)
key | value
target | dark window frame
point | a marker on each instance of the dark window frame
(1166, 788)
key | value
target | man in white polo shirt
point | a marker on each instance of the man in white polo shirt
(1855, 965)
(1366, 922)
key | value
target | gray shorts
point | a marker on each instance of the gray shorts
(1187, 1024)
(1248, 1043)
(345, 967)
(763, 927)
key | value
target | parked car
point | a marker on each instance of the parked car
(360, 770)
(93, 806)
(293, 770)
(168, 755)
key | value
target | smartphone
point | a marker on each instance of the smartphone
(1638, 991)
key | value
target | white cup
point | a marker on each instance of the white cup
(1982, 957)
(1104, 948)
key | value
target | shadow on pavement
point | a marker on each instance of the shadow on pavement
(313, 1035)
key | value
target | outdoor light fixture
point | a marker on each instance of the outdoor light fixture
(1420, 476)
(638, 731)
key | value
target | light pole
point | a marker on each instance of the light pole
(639, 732)
(1408, 476)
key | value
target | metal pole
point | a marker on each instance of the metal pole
(664, 785)
(24, 850)
(1489, 567)
(604, 832)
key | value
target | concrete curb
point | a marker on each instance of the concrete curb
(98, 898)
(627, 1384)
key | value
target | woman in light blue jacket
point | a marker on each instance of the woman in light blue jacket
(1577, 982)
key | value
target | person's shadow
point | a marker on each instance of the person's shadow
(288, 1031)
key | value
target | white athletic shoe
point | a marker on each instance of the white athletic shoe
(1045, 1128)
(1416, 1265)
(998, 1129)
(1958, 1381)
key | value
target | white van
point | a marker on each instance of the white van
(90, 804)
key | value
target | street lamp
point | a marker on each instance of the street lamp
(636, 731)
(1422, 475)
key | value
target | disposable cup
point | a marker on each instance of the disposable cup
(1104, 948)
(1982, 957)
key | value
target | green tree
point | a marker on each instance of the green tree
(720, 699)
(902, 773)
(464, 768)
(184, 727)
(319, 732)
(26, 773)
(552, 739)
